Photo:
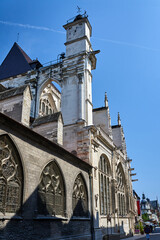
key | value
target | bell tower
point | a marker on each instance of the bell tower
(77, 78)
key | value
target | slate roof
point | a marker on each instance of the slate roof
(46, 119)
(2, 88)
(17, 62)
(12, 92)
(99, 109)
(116, 126)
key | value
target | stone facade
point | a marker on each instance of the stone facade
(35, 153)
(92, 155)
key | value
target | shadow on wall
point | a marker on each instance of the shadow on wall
(28, 224)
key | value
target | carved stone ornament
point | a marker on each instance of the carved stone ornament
(10, 177)
(79, 197)
(120, 179)
(51, 191)
(80, 75)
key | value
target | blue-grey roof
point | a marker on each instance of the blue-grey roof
(46, 119)
(16, 62)
(12, 92)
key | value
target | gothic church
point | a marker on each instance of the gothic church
(64, 170)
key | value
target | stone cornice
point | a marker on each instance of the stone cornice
(77, 40)
(68, 25)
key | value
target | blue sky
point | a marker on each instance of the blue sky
(127, 33)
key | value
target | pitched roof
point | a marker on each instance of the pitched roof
(46, 119)
(12, 92)
(99, 109)
(16, 62)
(2, 88)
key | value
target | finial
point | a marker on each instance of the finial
(119, 120)
(106, 100)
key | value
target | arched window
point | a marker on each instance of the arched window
(127, 202)
(124, 208)
(11, 177)
(50, 111)
(119, 204)
(104, 185)
(113, 196)
(121, 190)
(49, 101)
(79, 198)
(51, 191)
(43, 107)
(46, 110)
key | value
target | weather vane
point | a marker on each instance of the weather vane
(78, 9)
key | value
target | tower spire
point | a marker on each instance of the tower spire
(119, 120)
(106, 100)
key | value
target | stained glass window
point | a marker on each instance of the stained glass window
(121, 190)
(10, 177)
(104, 185)
(79, 198)
(51, 192)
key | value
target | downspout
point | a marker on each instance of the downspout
(91, 203)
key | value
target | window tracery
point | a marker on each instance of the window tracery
(10, 177)
(104, 186)
(113, 196)
(79, 198)
(121, 190)
(51, 191)
(45, 107)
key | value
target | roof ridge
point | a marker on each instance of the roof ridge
(46, 118)
(49, 115)
(27, 58)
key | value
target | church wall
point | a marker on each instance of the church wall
(77, 139)
(117, 136)
(80, 136)
(14, 82)
(52, 131)
(70, 138)
(60, 132)
(122, 224)
(12, 107)
(75, 48)
(35, 155)
(69, 100)
(100, 118)
(26, 108)
(48, 130)
(102, 226)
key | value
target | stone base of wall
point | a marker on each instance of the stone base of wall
(45, 230)
(112, 237)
